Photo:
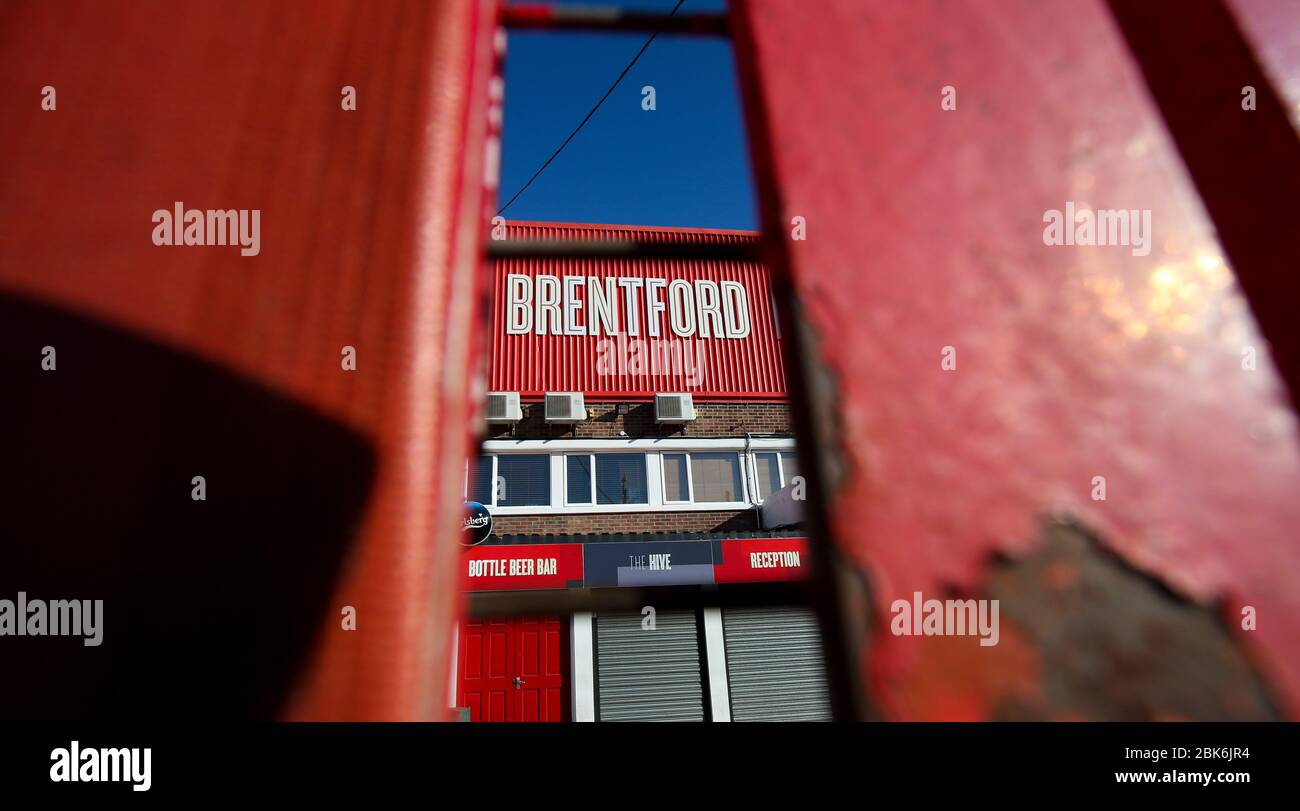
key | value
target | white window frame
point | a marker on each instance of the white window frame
(780, 463)
(595, 500)
(493, 478)
(780, 470)
(663, 483)
(591, 480)
(595, 497)
(743, 502)
(560, 449)
(520, 508)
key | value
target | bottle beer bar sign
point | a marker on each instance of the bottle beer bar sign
(525, 566)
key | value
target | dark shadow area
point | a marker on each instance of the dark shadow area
(746, 521)
(210, 607)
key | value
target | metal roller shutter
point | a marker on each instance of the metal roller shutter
(644, 675)
(775, 668)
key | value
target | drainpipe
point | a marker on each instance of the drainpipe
(751, 481)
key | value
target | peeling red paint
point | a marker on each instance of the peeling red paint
(925, 231)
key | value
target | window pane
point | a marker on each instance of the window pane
(675, 481)
(480, 479)
(769, 475)
(526, 480)
(620, 478)
(579, 479)
(716, 476)
(789, 466)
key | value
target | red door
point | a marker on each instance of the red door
(514, 669)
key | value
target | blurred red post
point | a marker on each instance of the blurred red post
(372, 228)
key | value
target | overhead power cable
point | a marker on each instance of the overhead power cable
(587, 118)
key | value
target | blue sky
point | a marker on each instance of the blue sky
(684, 164)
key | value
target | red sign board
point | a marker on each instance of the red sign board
(529, 566)
(762, 560)
(563, 565)
(615, 328)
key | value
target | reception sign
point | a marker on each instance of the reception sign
(762, 560)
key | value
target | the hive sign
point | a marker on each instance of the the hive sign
(621, 305)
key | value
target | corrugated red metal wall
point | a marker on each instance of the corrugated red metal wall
(714, 367)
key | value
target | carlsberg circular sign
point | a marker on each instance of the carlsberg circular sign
(478, 524)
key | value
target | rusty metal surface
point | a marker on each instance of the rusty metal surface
(1084, 636)
(925, 231)
(372, 225)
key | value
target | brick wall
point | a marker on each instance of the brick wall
(564, 524)
(711, 420)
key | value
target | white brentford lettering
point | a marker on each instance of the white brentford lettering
(545, 304)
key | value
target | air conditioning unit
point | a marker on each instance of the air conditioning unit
(674, 408)
(503, 406)
(565, 406)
